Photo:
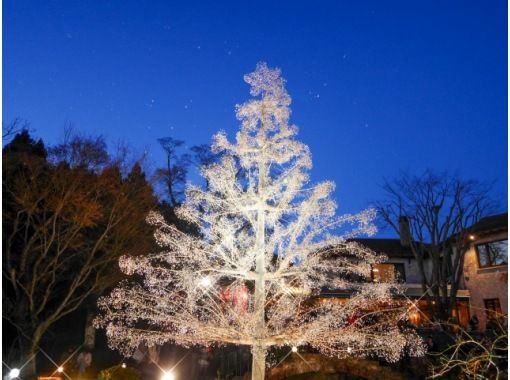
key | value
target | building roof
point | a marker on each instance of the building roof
(389, 247)
(393, 247)
(491, 223)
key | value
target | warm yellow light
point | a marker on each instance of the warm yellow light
(296, 290)
(294, 349)
(472, 237)
(168, 376)
(414, 317)
(123, 365)
(60, 369)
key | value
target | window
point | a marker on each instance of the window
(492, 308)
(389, 272)
(400, 272)
(492, 253)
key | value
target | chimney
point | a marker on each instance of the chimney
(404, 231)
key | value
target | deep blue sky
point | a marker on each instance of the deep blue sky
(377, 86)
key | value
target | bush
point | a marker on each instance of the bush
(119, 373)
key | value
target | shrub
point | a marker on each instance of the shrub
(119, 373)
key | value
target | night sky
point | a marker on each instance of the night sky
(377, 86)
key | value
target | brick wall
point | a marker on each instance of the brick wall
(485, 283)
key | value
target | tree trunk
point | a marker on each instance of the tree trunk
(436, 285)
(457, 273)
(27, 359)
(258, 366)
(259, 348)
(419, 254)
(89, 340)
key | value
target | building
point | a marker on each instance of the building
(483, 288)
(486, 268)
(402, 266)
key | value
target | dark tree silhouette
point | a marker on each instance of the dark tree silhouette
(174, 174)
(66, 221)
(433, 213)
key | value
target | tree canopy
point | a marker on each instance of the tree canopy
(69, 212)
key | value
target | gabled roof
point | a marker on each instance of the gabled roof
(393, 247)
(389, 247)
(491, 223)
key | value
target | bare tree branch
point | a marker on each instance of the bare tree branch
(439, 209)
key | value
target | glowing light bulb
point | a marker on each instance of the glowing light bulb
(294, 349)
(205, 282)
(123, 365)
(168, 376)
(349, 350)
(60, 369)
(14, 373)
(471, 237)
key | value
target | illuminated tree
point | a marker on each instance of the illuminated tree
(267, 245)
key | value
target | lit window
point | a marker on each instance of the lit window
(388, 273)
(493, 253)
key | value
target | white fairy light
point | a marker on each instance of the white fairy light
(270, 241)
(123, 365)
(294, 349)
(205, 282)
(14, 373)
(60, 369)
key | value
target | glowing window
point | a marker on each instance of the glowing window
(394, 272)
